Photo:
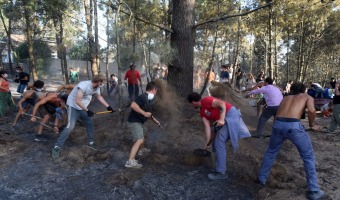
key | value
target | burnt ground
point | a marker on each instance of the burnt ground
(170, 171)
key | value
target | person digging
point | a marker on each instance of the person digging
(287, 126)
(78, 102)
(225, 115)
(140, 112)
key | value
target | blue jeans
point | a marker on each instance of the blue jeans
(318, 93)
(21, 88)
(219, 143)
(132, 95)
(73, 116)
(295, 132)
(266, 114)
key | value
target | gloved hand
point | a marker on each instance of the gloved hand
(109, 109)
(90, 113)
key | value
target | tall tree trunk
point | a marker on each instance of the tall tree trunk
(117, 26)
(97, 58)
(300, 52)
(58, 25)
(210, 64)
(9, 46)
(269, 50)
(182, 40)
(237, 47)
(28, 7)
(64, 67)
(275, 52)
(309, 55)
(288, 52)
(108, 16)
(90, 38)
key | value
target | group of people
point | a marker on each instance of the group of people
(287, 111)
(70, 102)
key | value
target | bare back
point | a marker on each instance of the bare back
(293, 106)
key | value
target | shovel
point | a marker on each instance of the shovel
(205, 152)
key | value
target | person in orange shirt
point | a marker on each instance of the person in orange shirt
(5, 95)
(132, 77)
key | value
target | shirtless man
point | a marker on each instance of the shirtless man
(287, 125)
(50, 104)
(30, 97)
(65, 89)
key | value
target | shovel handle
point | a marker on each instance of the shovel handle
(155, 120)
(103, 112)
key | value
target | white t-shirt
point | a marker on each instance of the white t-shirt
(88, 92)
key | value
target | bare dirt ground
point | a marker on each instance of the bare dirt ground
(170, 171)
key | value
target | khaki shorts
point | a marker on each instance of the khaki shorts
(137, 129)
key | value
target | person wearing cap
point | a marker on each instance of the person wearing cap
(132, 76)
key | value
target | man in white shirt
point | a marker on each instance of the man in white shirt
(77, 102)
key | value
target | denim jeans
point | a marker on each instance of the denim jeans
(266, 114)
(295, 132)
(223, 135)
(132, 95)
(335, 120)
(73, 116)
(21, 88)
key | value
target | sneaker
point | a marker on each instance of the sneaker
(133, 164)
(40, 138)
(92, 146)
(56, 152)
(217, 176)
(143, 151)
(315, 195)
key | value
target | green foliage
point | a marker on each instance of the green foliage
(79, 51)
(42, 54)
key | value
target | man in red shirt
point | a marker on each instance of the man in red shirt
(133, 76)
(225, 115)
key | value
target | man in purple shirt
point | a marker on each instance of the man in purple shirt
(273, 97)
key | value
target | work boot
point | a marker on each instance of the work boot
(315, 195)
(143, 151)
(217, 176)
(56, 152)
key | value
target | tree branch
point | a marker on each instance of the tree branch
(110, 4)
(230, 16)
